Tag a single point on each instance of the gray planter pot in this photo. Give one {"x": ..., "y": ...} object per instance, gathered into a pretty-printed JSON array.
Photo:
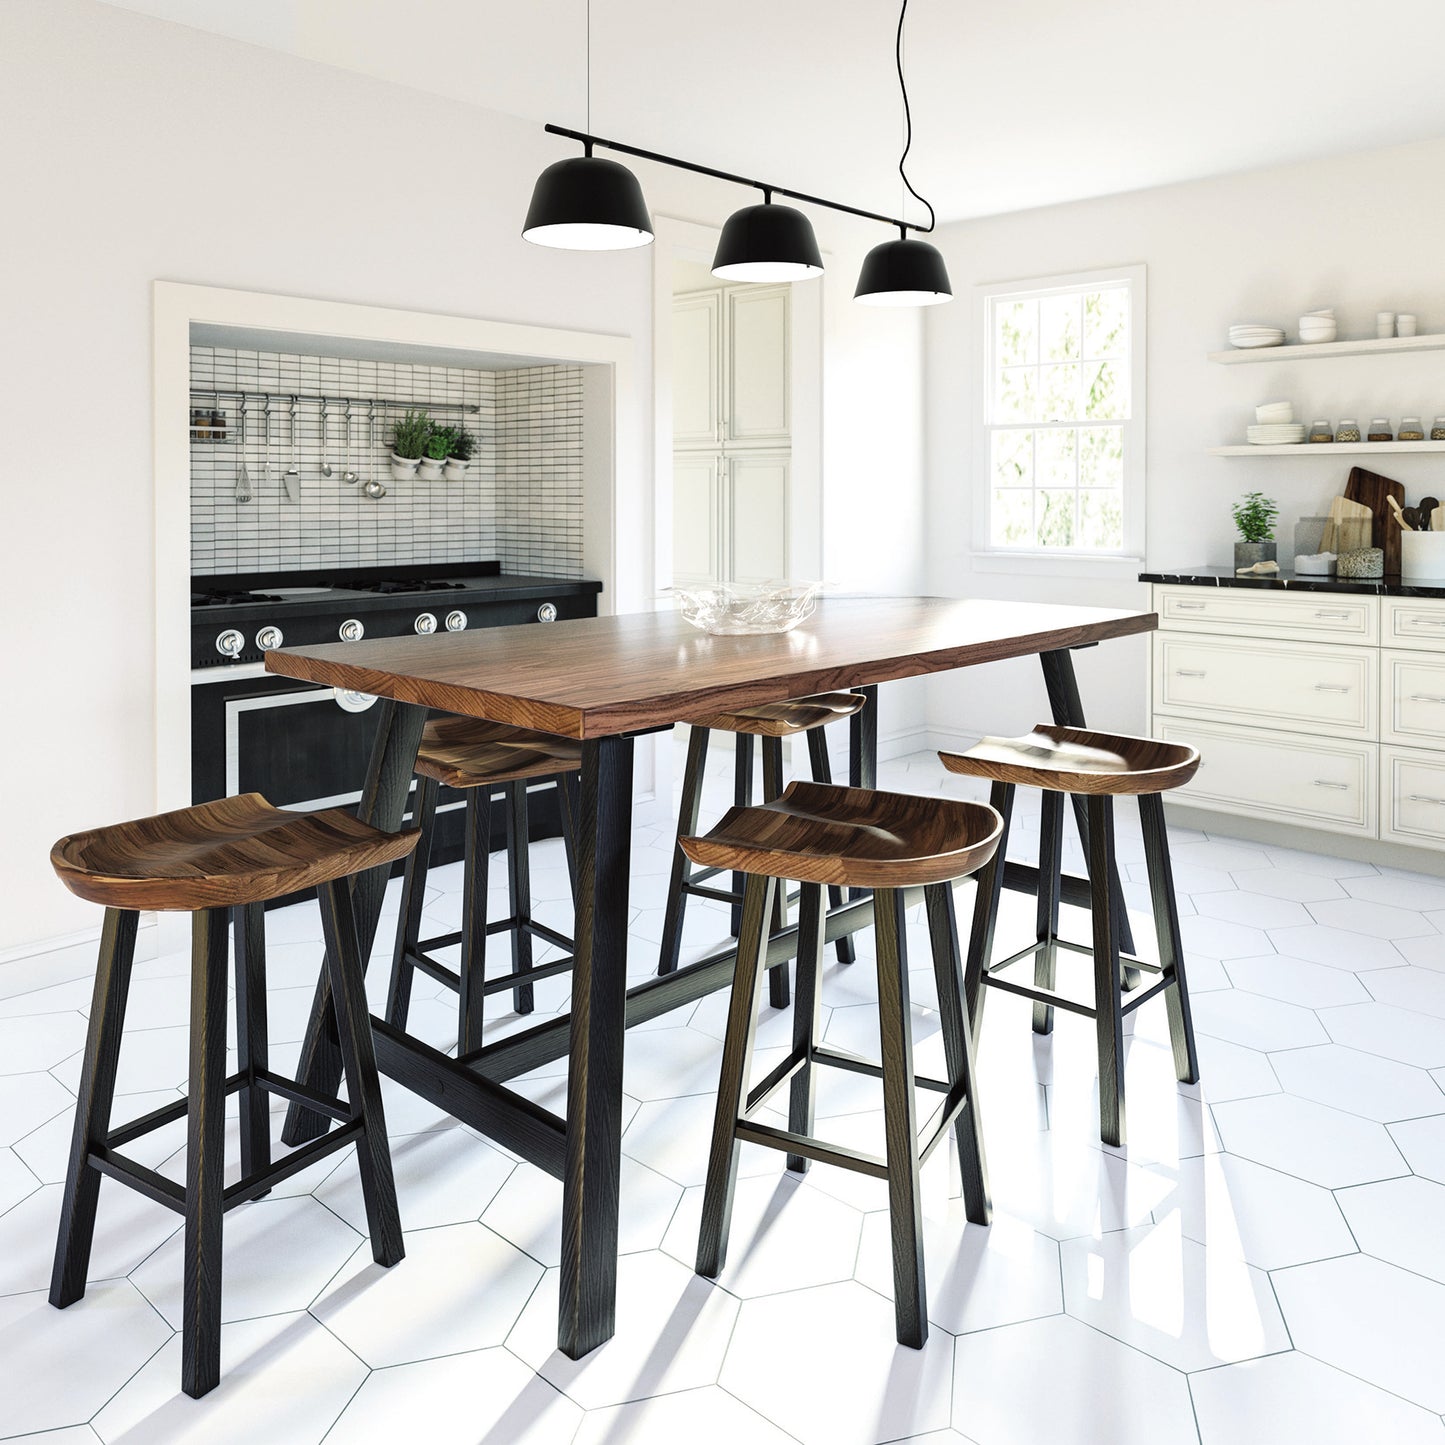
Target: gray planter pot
[{"x": 1246, "y": 554}]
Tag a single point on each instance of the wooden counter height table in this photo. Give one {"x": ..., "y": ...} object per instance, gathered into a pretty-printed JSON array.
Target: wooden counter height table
[{"x": 605, "y": 680}]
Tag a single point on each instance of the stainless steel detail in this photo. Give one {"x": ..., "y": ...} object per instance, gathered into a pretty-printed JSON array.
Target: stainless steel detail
[
  {"x": 292, "y": 475},
  {"x": 456, "y": 621},
  {"x": 1326, "y": 783},
  {"x": 1330, "y": 687},
  {"x": 1189, "y": 607},
  {"x": 269, "y": 637},
  {"x": 1426, "y": 697},
  {"x": 325, "y": 440},
  {"x": 348, "y": 474},
  {"x": 351, "y": 630},
  {"x": 230, "y": 643},
  {"x": 375, "y": 489},
  {"x": 547, "y": 612},
  {"x": 349, "y": 700},
  {"x": 425, "y": 624},
  {"x": 1185, "y": 672},
  {"x": 243, "y": 477}
]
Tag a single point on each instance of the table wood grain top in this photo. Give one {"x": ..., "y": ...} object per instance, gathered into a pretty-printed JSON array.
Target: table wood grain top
[{"x": 600, "y": 676}]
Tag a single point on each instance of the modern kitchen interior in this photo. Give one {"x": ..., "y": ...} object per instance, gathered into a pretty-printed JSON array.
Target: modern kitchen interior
[{"x": 762, "y": 742}]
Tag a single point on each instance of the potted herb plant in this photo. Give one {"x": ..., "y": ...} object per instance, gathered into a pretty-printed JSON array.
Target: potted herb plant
[
  {"x": 434, "y": 454},
  {"x": 1254, "y": 516},
  {"x": 463, "y": 444},
  {"x": 408, "y": 444}
]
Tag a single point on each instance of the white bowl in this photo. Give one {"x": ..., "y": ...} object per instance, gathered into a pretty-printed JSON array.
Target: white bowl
[{"x": 1274, "y": 411}]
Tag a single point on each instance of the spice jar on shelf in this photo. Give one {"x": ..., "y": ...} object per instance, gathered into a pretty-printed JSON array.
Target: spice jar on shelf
[
  {"x": 1380, "y": 430},
  {"x": 1412, "y": 429},
  {"x": 1437, "y": 431},
  {"x": 1320, "y": 432},
  {"x": 1348, "y": 430}
]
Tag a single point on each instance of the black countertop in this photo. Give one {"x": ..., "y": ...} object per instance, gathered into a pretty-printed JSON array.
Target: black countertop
[{"x": 1388, "y": 586}]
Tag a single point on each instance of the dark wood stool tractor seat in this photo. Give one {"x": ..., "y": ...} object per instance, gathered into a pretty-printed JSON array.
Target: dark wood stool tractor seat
[
  {"x": 216, "y": 861},
  {"x": 478, "y": 757},
  {"x": 819, "y": 835},
  {"x": 1100, "y": 767},
  {"x": 772, "y": 722}
]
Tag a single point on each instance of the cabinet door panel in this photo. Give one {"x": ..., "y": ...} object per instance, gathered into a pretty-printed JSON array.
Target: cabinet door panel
[
  {"x": 696, "y": 369},
  {"x": 696, "y": 540},
  {"x": 757, "y": 509},
  {"x": 1244, "y": 612},
  {"x": 757, "y": 369},
  {"x": 1414, "y": 785}
]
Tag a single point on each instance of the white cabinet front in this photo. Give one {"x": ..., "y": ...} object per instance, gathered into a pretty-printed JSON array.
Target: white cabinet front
[
  {"x": 697, "y": 370},
  {"x": 1414, "y": 622},
  {"x": 1413, "y": 693},
  {"x": 696, "y": 517},
  {"x": 756, "y": 345},
  {"x": 1414, "y": 797},
  {"x": 1309, "y": 617},
  {"x": 758, "y": 517}
]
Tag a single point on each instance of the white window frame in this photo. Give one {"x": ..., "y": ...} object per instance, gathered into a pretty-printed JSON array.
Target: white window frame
[{"x": 1064, "y": 561}]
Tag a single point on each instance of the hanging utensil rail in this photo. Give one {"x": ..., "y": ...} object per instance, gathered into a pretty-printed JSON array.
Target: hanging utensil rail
[{"x": 316, "y": 399}]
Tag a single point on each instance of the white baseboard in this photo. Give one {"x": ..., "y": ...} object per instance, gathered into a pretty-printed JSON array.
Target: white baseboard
[{"x": 65, "y": 957}]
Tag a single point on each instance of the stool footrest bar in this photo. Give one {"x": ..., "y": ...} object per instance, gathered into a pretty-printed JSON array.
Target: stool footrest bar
[
  {"x": 874, "y": 1071},
  {"x": 138, "y": 1177},
  {"x": 718, "y": 895},
  {"x": 1040, "y": 995},
  {"x": 945, "y": 1115},
  {"x": 777, "y": 1076},
  {"x": 532, "y": 975},
  {"x": 791, "y": 1143},
  {"x": 1134, "y": 1000},
  {"x": 295, "y": 1093},
  {"x": 299, "y": 1159}
]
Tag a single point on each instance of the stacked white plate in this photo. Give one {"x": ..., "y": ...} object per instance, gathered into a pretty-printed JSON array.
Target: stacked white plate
[
  {"x": 1247, "y": 336},
  {"x": 1275, "y": 434}
]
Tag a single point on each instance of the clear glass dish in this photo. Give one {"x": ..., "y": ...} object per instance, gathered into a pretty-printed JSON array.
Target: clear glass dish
[{"x": 736, "y": 609}]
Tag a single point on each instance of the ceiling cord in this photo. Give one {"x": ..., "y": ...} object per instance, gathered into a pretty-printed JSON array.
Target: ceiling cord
[{"x": 907, "y": 122}]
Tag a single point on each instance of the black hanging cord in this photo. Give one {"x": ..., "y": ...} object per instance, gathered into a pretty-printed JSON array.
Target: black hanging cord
[{"x": 908, "y": 124}]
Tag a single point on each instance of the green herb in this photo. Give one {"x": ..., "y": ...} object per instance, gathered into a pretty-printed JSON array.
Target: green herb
[
  {"x": 463, "y": 444},
  {"x": 1254, "y": 517},
  {"x": 439, "y": 443},
  {"x": 409, "y": 439}
]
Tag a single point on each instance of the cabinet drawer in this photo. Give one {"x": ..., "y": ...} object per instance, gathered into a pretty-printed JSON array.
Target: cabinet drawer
[
  {"x": 1414, "y": 802},
  {"x": 1285, "y": 776},
  {"x": 1414, "y": 622},
  {"x": 1295, "y": 685},
  {"x": 1306, "y": 616},
  {"x": 1412, "y": 699}
]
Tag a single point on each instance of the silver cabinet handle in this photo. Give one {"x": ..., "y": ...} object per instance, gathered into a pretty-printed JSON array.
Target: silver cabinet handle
[
  {"x": 1425, "y": 697},
  {"x": 1426, "y": 798},
  {"x": 1184, "y": 672},
  {"x": 1333, "y": 616},
  {"x": 1330, "y": 687},
  {"x": 1325, "y": 783},
  {"x": 1189, "y": 607},
  {"x": 1428, "y": 621}
]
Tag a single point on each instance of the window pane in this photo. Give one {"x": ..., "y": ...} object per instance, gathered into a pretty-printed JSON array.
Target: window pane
[
  {"x": 1061, "y": 392},
  {"x": 1107, "y": 390},
  {"x": 1056, "y": 518},
  {"x": 1101, "y": 456},
  {"x": 1016, "y": 330},
  {"x": 1106, "y": 323},
  {"x": 1018, "y": 393},
  {"x": 1057, "y": 458},
  {"x": 1059, "y": 328},
  {"x": 1013, "y": 458},
  {"x": 1013, "y": 518},
  {"x": 1101, "y": 518}
]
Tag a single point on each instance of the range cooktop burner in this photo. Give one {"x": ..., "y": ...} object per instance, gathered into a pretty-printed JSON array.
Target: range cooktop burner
[
  {"x": 230, "y": 599},
  {"x": 405, "y": 584}
]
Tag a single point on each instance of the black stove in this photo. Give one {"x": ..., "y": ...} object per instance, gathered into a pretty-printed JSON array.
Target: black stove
[{"x": 399, "y": 585}]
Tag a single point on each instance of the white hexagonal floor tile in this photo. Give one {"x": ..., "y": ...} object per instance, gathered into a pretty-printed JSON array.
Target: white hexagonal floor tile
[
  {"x": 1420, "y": 989},
  {"x": 1393, "y": 1033},
  {"x": 709, "y": 1416},
  {"x": 1372, "y": 1320},
  {"x": 28, "y": 1045},
  {"x": 1293, "y": 883},
  {"x": 1171, "y": 1297},
  {"x": 1295, "y": 980},
  {"x": 850, "y": 1381},
  {"x": 1291, "y": 1399},
  {"x": 1334, "y": 946},
  {"x": 672, "y": 1330},
  {"x": 1230, "y": 1071},
  {"x": 1246, "y": 1211},
  {"x": 1045, "y": 1381},
  {"x": 150, "y": 1059},
  {"x": 484, "y": 1395},
  {"x": 1424, "y": 952},
  {"x": 1321, "y": 864},
  {"x": 672, "y": 1137},
  {"x": 1359, "y": 1083},
  {"x": 1399, "y": 1221},
  {"x": 17, "y": 1180},
  {"x": 460, "y": 1287},
  {"x": 1231, "y": 857},
  {"x": 1309, "y": 1140},
  {"x": 1258, "y": 910},
  {"x": 29, "y": 1100},
  {"x": 1377, "y": 920},
  {"x": 71, "y": 996},
  {"x": 1400, "y": 890},
  {"x": 1422, "y": 1142},
  {"x": 47, "y": 1149},
  {"x": 1218, "y": 938},
  {"x": 277, "y": 1254},
  {"x": 1257, "y": 1022},
  {"x": 282, "y": 1378}
]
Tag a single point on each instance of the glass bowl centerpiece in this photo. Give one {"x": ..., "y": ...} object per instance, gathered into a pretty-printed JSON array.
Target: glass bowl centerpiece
[{"x": 739, "y": 608}]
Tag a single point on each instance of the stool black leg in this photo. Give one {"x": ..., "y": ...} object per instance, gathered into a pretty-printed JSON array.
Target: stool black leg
[
  {"x": 1108, "y": 999},
  {"x": 773, "y": 788},
  {"x": 742, "y": 797},
  {"x": 692, "y": 778},
  {"x": 823, "y": 773},
  {"x": 358, "y": 1056},
  {"x": 985, "y": 910},
  {"x": 1166, "y": 925},
  {"x": 958, "y": 1049},
  {"x": 519, "y": 891},
  {"x": 413, "y": 900},
  {"x": 472, "y": 971},
  {"x": 805, "y": 1014},
  {"x": 900, "y": 1123},
  {"x": 1051, "y": 863},
  {"x": 205, "y": 1155},
  {"x": 722, "y": 1159},
  {"x": 249, "y": 927},
  {"x": 92, "y": 1106},
  {"x": 567, "y": 811}
]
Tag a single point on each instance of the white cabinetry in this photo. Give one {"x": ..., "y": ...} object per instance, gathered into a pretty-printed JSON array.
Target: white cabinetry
[
  {"x": 731, "y": 436},
  {"x": 1324, "y": 712}
]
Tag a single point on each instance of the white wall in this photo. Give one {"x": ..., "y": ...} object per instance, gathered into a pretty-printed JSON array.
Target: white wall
[
  {"x": 1362, "y": 233},
  {"x": 138, "y": 150}
]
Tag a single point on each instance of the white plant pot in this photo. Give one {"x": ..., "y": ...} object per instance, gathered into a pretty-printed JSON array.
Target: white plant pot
[
  {"x": 1422, "y": 556},
  {"x": 430, "y": 470},
  {"x": 403, "y": 469},
  {"x": 456, "y": 469}
]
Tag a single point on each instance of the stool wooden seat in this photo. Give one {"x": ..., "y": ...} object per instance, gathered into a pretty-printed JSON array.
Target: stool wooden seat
[
  {"x": 1100, "y": 766},
  {"x": 818, "y": 834},
  {"x": 772, "y": 722},
  {"x": 220, "y": 861},
  {"x": 479, "y": 757}
]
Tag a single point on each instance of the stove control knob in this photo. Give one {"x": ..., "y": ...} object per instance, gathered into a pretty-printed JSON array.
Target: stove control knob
[
  {"x": 547, "y": 612},
  {"x": 425, "y": 623},
  {"x": 230, "y": 643},
  {"x": 351, "y": 630},
  {"x": 457, "y": 621},
  {"x": 349, "y": 700},
  {"x": 268, "y": 637}
]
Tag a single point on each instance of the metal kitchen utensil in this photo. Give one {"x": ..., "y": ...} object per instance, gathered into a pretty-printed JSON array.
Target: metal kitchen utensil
[
  {"x": 349, "y": 475},
  {"x": 243, "y": 477},
  {"x": 325, "y": 440},
  {"x": 292, "y": 474},
  {"x": 266, "y": 466},
  {"x": 374, "y": 489}
]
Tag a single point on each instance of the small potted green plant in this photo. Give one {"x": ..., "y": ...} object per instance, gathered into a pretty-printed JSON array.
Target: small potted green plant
[
  {"x": 1254, "y": 516},
  {"x": 434, "y": 454},
  {"x": 408, "y": 444},
  {"x": 464, "y": 444}
]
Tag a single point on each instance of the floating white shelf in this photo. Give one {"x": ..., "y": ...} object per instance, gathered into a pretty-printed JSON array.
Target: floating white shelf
[
  {"x": 1328, "y": 449},
  {"x": 1303, "y": 351}
]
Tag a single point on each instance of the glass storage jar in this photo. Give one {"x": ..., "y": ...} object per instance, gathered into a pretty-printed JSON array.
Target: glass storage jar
[
  {"x": 1437, "y": 430},
  {"x": 1320, "y": 431},
  {"x": 1348, "y": 430},
  {"x": 1412, "y": 429},
  {"x": 1380, "y": 430}
]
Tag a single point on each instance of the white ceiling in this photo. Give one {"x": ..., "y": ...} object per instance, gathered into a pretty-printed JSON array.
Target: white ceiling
[{"x": 1015, "y": 105}]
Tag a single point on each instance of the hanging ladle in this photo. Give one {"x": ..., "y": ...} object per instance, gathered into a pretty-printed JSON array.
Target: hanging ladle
[
  {"x": 374, "y": 489},
  {"x": 348, "y": 475},
  {"x": 325, "y": 441}
]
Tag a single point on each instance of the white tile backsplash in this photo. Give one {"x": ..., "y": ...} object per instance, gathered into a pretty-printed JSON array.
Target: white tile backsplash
[{"x": 521, "y": 502}]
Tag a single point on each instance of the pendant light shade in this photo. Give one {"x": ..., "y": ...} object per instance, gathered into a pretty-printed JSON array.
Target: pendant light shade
[
  {"x": 588, "y": 204},
  {"x": 767, "y": 243},
  {"x": 903, "y": 273}
]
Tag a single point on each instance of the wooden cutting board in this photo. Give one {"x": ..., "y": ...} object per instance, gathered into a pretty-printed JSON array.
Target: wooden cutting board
[
  {"x": 1372, "y": 490},
  {"x": 1350, "y": 527}
]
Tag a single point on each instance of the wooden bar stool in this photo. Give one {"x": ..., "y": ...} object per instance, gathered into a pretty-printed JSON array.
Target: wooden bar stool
[
  {"x": 772, "y": 722},
  {"x": 212, "y": 860},
  {"x": 1099, "y": 767},
  {"x": 478, "y": 757},
  {"x": 820, "y": 835}
]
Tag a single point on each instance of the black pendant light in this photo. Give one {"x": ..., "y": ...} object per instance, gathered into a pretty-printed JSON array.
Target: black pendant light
[
  {"x": 767, "y": 243},
  {"x": 904, "y": 272}
]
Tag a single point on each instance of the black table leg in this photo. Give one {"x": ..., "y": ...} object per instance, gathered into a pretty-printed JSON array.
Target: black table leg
[
  {"x": 383, "y": 805},
  {"x": 587, "y": 1307},
  {"x": 863, "y": 743}
]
